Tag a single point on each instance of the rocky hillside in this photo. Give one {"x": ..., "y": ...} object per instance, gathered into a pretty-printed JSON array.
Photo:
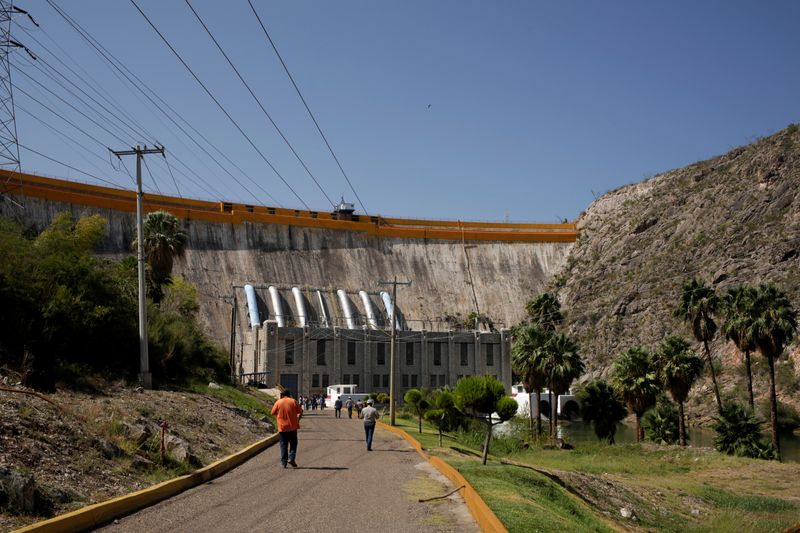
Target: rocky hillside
[{"x": 729, "y": 220}]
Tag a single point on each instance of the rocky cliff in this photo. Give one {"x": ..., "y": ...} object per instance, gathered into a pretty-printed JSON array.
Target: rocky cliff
[{"x": 729, "y": 220}]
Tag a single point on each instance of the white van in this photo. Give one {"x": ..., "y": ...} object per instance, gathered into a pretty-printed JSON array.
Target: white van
[{"x": 344, "y": 392}]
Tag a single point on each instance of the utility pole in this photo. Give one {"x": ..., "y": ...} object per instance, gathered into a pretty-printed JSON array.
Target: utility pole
[
  {"x": 393, "y": 325},
  {"x": 145, "y": 377}
]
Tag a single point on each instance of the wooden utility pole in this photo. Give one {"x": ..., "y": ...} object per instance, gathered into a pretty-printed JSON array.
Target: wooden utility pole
[
  {"x": 393, "y": 325},
  {"x": 145, "y": 377}
]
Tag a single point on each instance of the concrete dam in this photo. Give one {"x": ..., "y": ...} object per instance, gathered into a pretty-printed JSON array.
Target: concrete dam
[{"x": 456, "y": 267}]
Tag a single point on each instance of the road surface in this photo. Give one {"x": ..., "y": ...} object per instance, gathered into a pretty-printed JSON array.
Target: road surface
[{"x": 338, "y": 487}]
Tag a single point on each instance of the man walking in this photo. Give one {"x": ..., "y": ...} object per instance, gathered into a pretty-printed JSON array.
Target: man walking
[
  {"x": 337, "y": 407},
  {"x": 288, "y": 414},
  {"x": 370, "y": 416},
  {"x": 349, "y": 405}
]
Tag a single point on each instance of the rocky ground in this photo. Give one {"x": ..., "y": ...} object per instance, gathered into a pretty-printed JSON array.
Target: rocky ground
[
  {"x": 730, "y": 220},
  {"x": 65, "y": 450}
]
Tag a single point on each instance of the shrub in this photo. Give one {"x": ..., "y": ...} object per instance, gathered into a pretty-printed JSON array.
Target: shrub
[
  {"x": 661, "y": 422},
  {"x": 788, "y": 417},
  {"x": 739, "y": 433}
]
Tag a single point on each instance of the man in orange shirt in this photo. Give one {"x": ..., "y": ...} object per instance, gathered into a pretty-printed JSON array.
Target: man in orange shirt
[{"x": 288, "y": 413}]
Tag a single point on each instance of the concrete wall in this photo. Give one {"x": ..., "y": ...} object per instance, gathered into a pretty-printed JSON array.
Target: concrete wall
[{"x": 505, "y": 275}]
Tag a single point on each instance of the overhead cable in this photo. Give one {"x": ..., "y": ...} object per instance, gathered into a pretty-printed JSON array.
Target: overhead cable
[
  {"x": 296, "y": 88},
  {"x": 219, "y": 105}
]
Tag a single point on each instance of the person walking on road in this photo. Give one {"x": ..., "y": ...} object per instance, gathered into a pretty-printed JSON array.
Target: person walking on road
[
  {"x": 288, "y": 414},
  {"x": 337, "y": 408},
  {"x": 370, "y": 416},
  {"x": 349, "y": 405}
]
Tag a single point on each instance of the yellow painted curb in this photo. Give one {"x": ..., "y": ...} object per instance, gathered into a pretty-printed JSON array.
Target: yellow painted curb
[
  {"x": 484, "y": 516},
  {"x": 103, "y": 512}
]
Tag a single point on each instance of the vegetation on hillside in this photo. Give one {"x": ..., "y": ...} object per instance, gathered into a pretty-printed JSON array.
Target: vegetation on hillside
[{"x": 65, "y": 313}]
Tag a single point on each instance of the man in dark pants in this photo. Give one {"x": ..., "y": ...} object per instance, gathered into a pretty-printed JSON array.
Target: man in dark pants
[
  {"x": 337, "y": 407},
  {"x": 370, "y": 416},
  {"x": 288, "y": 414}
]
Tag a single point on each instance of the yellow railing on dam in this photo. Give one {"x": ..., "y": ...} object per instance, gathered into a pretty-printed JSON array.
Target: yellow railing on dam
[{"x": 235, "y": 213}]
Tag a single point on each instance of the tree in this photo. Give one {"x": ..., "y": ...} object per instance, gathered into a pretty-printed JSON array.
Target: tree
[
  {"x": 545, "y": 309},
  {"x": 164, "y": 240},
  {"x": 602, "y": 406},
  {"x": 635, "y": 378},
  {"x": 698, "y": 304},
  {"x": 527, "y": 360},
  {"x": 418, "y": 401},
  {"x": 739, "y": 433},
  {"x": 678, "y": 369},
  {"x": 662, "y": 422},
  {"x": 774, "y": 325},
  {"x": 480, "y": 397},
  {"x": 443, "y": 412},
  {"x": 737, "y": 305},
  {"x": 563, "y": 365}
]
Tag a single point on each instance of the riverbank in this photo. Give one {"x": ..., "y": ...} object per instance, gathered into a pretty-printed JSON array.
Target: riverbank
[
  {"x": 62, "y": 451},
  {"x": 632, "y": 486}
]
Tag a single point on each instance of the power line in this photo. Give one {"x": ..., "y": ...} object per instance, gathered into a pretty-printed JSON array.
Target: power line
[
  {"x": 116, "y": 186},
  {"x": 219, "y": 105},
  {"x": 152, "y": 178},
  {"x": 296, "y": 88},
  {"x": 260, "y": 105},
  {"x": 121, "y": 69}
]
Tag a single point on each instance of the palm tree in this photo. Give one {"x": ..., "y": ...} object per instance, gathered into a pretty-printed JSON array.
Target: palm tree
[
  {"x": 602, "y": 406},
  {"x": 678, "y": 369},
  {"x": 527, "y": 358},
  {"x": 698, "y": 303},
  {"x": 564, "y": 365},
  {"x": 164, "y": 240},
  {"x": 738, "y": 327},
  {"x": 774, "y": 325},
  {"x": 546, "y": 310},
  {"x": 636, "y": 379}
]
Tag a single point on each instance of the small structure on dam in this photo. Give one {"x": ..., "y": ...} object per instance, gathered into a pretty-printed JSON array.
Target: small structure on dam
[{"x": 309, "y": 338}]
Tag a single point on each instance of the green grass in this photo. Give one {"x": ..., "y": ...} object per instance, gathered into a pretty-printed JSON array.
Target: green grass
[
  {"x": 726, "y": 488},
  {"x": 241, "y": 398}
]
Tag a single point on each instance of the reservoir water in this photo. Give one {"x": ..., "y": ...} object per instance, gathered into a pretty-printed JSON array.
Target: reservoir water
[{"x": 578, "y": 431}]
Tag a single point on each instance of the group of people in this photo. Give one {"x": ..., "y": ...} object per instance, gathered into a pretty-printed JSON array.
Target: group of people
[
  {"x": 310, "y": 403},
  {"x": 289, "y": 411}
]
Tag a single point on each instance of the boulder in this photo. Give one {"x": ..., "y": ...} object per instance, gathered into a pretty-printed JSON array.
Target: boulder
[
  {"x": 108, "y": 448},
  {"x": 138, "y": 433},
  {"x": 177, "y": 448},
  {"x": 213, "y": 385}
]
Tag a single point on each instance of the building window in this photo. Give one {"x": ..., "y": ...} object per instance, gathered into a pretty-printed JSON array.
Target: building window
[
  {"x": 321, "y": 352},
  {"x": 356, "y": 379},
  {"x": 376, "y": 381},
  {"x": 409, "y": 354},
  {"x": 433, "y": 380},
  {"x": 325, "y": 380},
  {"x": 490, "y": 355},
  {"x": 437, "y": 354},
  {"x": 381, "y": 353},
  {"x": 315, "y": 380},
  {"x": 346, "y": 379},
  {"x": 405, "y": 381},
  {"x": 385, "y": 380},
  {"x": 413, "y": 380},
  {"x": 351, "y": 353},
  {"x": 464, "y": 352},
  {"x": 288, "y": 348},
  {"x": 441, "y": 380}
]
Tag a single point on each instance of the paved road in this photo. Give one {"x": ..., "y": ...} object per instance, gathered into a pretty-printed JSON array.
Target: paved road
[{"x": 338, "y": 487}]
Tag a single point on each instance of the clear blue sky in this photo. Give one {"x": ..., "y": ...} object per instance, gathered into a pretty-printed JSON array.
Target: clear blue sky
[{"x": 469, "y": 110}]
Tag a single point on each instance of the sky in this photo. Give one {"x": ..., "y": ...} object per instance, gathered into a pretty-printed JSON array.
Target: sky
[{"x": 515, "y": 110}]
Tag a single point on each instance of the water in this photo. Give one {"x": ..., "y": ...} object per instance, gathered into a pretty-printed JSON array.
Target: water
[{"x": 578, "y": 431}]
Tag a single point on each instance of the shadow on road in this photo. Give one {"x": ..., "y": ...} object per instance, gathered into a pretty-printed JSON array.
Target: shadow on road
[{"x": 320, "y": 468}]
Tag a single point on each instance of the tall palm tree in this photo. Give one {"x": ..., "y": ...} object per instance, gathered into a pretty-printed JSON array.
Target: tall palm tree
[
  {"x": 564, "y": 365},
  {"x": 737, "y": 305},
  {"x": 636, "y": 379},
  {"x": 164, "y": 240},
  {"x": 678, "y": 369},
  {"x": 527, "y": 360},
  {"x": 546, "y": 310},
  {"x": 698, "y": 304},
  {"x": 774, "y": 325}
]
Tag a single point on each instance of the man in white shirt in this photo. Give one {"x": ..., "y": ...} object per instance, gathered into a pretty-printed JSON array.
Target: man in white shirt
[{"x": 370, "y": 416}]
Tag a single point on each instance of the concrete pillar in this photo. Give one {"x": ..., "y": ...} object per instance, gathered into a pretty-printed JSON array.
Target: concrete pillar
[
  {"x": 425, "y": 368},
  {"x": 451, "y": 360},
  {"x": 366, "y": 355}
]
